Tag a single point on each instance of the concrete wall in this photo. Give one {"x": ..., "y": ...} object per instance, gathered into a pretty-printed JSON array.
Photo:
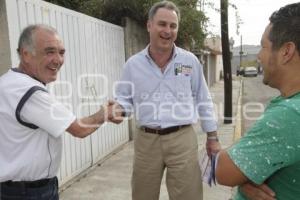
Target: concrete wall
[
  {"x": 212, "y": 70},
  {"x": 219, "y": 67},
  {"x": 205, "y": 62},
  {"x": 5, "y": 62},
  {"x": 212, "y": 66},
  {"x": 135, "y": 37},
  {"x": 215, "y": 65}
]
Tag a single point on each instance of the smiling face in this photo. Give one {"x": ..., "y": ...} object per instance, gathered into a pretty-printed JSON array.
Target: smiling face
[
  {"x": 163, "y": 28},
  {"x": 44, "y": 62}
]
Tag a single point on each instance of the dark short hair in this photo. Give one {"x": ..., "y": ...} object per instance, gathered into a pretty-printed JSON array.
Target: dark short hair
[
  {"x": 285, "y": 26},
  {"x": 26, "y": 39},
  {"x": 163, "y": 4}
]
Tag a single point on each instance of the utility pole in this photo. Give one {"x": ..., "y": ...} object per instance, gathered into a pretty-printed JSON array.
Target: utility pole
[
  {"x": 241, "y": 53},
  {"x": 226, "y": 63}
]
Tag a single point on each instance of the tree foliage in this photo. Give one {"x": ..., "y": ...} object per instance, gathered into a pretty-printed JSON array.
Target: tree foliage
[
  {"x": 85, "y": 6},
  {"x": 192, "y": 28}
]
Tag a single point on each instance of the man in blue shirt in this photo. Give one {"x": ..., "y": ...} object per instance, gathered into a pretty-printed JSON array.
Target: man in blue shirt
[{"x": 165, "y": 88}]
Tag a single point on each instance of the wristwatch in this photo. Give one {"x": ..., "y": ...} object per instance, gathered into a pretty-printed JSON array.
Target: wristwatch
[{"x": 213, "y": 138}]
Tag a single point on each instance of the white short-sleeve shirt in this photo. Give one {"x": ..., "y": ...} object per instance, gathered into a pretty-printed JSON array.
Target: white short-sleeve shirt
[{"x": 32, "y": 151}]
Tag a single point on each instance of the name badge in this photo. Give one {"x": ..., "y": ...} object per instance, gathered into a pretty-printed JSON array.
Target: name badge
[{"x": 185, "y": 70}]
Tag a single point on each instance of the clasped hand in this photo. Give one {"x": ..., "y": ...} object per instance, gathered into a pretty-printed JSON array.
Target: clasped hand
[{"x": 113, "y": 112}]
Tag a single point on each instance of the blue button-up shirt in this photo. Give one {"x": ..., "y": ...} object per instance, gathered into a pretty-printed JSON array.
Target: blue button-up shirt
[{"x": 177, "y": 96}]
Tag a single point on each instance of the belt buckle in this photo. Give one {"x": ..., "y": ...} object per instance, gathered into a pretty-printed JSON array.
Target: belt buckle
[
  {"x": 150, "y": 130},
  {"x": 157, "y": 131},
  {"x": 143, "y": 128}
]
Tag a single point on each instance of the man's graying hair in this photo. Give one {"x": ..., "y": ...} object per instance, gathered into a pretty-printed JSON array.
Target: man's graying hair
[
  {"x": 163, "y": 4},
  {"x": 26, "y": 39},
  {"x": 285, "y": 26}
]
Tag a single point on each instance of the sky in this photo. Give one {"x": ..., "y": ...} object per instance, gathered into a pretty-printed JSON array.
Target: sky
[{"x": 254, "y": 15}]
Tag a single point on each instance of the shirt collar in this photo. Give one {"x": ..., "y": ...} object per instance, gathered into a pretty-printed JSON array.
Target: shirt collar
[
  {"x": 145, "y": 52},
  {"x": 17, "y": 70}
]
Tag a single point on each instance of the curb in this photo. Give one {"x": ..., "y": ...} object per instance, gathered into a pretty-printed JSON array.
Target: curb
[
  {"x": 238, "y": 119},
  {"x": 238, "y": 126}
]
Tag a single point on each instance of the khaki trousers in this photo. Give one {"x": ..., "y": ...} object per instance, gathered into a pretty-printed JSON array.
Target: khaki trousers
[{"x": 178, "y": 153}]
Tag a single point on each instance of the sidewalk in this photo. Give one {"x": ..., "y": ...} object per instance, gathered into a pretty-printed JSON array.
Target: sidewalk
[{"x": 110, "y": 180}]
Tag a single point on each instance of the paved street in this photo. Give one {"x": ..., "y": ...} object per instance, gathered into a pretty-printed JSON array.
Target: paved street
[
  {"x": 256, "y": 95},
  {"x": 110, "y": 180}
]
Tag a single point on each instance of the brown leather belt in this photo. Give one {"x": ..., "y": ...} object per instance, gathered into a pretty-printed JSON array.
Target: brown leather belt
[{"x": 164, "y": 131}]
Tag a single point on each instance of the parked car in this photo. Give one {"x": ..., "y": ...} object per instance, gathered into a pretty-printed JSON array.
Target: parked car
[
  {"x": 250, "y": 71},
  {"x": 240, "y": 72}
]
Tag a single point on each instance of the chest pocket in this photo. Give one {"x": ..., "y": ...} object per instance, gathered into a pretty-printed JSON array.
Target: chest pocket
[
  {"x": 183, "y": 84},
  {"x": 182, "y": 88}
]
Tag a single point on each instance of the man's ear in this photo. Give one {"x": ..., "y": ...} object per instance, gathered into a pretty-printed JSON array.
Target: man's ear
[
  {"x": 287, "y": 51},
  {"x": 25, "y": 54}
]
